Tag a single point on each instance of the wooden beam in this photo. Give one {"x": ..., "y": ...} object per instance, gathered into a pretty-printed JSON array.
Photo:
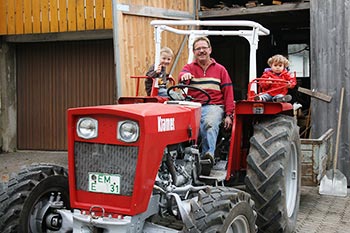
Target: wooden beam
[
  {"x": 153, "y": 12},
  {"x": 254, "y": 10},
  {"x": 315, "y": 94}
]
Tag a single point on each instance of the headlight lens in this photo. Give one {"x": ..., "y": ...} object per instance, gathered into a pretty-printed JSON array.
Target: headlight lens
[
  {"x": 128, "y": 131},
  {"x": 87, "y": 128}
]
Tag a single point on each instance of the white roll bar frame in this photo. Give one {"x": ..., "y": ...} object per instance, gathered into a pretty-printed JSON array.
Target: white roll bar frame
[{"x": 252, "y": 36}]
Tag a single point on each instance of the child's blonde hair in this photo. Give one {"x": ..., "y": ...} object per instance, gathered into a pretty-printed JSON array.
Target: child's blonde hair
[
  {"x": 278, "y": 59},
  {"x": 167, "y": 50}
]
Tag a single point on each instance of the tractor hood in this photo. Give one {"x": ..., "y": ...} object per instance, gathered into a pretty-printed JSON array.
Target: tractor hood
[{"x": 130, "y": 163}]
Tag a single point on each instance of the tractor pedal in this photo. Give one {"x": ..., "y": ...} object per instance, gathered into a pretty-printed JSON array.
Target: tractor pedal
[{"x": 220, "y": 165}]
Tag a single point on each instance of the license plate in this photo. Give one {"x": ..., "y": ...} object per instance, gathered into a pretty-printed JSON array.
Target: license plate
[{"x": 104, "y": 183}]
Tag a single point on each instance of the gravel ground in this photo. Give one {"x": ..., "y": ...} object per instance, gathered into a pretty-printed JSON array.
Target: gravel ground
[
  {"x": 317, "y": 214},
  {"x": 12, "y": 162}
]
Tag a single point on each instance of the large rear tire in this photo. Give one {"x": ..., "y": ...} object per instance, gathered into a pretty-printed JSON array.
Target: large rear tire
[
  {"x": 224, "y": 210},
  {"x": 25, "y": 199},
  {"x": 273, "y": 173}
]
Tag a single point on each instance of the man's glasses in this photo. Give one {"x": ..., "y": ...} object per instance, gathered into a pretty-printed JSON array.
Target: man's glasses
[{"x": 200, "y": 48}]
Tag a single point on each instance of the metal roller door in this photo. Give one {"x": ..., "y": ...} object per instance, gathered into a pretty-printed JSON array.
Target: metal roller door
[{"x": 55, "y": 76}]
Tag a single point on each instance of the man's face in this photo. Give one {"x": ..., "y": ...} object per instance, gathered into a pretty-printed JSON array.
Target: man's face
[
  {"x": 201, "y": 51},
  {"x": 277, "y": 68}
]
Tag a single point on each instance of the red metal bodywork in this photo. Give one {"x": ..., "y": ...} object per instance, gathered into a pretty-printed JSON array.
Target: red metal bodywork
[
  {"x": 151, "y": 144},
  {"x": 244, "y": 116}
]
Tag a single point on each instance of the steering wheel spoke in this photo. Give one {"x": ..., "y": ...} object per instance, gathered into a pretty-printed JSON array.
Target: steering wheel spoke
[{"x": 182, "y": 87}]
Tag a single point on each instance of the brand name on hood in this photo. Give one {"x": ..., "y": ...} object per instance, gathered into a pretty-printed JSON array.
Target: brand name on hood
[{"x": 166, "y": 124}]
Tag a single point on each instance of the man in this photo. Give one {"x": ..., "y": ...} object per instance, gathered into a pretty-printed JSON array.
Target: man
[{"x": 204, "y": 72}]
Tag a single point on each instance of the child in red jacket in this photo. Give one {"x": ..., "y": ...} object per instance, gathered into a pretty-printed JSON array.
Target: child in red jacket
[{"x": 276, "y": 90}]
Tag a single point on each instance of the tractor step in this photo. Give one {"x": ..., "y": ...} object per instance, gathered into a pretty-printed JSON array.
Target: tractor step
[{"x": 217, "y": 174}]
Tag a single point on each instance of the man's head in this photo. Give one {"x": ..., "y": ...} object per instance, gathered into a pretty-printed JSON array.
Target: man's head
[
  {"x": 202, "y": 49},
  {"x": 166, "y": 56},
  {"x": 278, "y": 63}
]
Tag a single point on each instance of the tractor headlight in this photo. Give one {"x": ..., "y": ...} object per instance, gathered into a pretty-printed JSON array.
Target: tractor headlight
[
  {"x": 128, "y": 131},
  {"x": 87, "y": 128}
]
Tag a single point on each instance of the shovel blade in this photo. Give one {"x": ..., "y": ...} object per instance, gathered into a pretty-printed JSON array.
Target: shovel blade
[{"x": 334, "y": 183}]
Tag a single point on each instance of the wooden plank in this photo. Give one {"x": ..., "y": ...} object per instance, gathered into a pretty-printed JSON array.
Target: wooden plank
[
  {"x": 72, "y": 15},
  {"x": 99, "y": 15},
  {"x": 315, "y": 94},
  {"x": 3, "y": 16},
  {"x": 36, "y": 16},
  {"x": 11, "y": 29},
  {"x": 89, "y": 18},
  {"x": 255, "y": 10},
  {"x": 150, "y": 11},
  {"x": 108, "y": 14},
  {"x": 19, "y": 17},
  {"x": 63, "y": 21},
  {"x": 45, "y": 23},
  {"x": 53, "y": 11},
  {"x": 80, "y": 15},
  {"x": 28, "y": 26}
]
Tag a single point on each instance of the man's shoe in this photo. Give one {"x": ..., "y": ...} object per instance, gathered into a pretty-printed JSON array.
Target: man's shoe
[
  {"x": 285, "y": 98},
  {"x": 209, "y": 156},
  {"x": 207, "y": 163},
  {"x": 256, "y": 98}
]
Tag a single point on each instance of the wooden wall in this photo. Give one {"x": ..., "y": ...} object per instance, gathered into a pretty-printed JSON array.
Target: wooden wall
[
  {"x": 136, "y": 38},
  {"x": 135, "y": 34},
  {"x": 45, "y": 16},
  {"x": 330, "y": 71}
]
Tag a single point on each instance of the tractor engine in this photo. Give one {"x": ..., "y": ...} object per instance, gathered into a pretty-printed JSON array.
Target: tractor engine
[{"x": 179, "y": 167}]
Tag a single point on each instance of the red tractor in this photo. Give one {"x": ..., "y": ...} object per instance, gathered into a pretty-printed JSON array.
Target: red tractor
[{"x": 136, "y": 167}]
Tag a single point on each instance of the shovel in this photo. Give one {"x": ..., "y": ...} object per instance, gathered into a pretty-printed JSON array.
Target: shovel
[{"x": 334, "y": 183}]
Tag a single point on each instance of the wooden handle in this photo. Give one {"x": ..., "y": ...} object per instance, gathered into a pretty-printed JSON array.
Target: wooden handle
[{"x": 338, "y": 129}]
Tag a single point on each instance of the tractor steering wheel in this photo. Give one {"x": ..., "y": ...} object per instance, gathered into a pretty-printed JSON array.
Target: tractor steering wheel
[{"x": 187, "y": 97}]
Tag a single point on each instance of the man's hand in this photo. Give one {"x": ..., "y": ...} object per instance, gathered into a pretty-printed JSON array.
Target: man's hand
[
  {"x": 228, "y": 122},
  {"x": 186, "y": 76}
]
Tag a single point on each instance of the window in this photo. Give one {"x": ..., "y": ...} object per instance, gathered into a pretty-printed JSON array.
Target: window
[{"x": 298, "y": 56}]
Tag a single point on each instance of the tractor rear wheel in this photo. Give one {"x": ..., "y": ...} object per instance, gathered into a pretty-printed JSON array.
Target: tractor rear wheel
[
  {"x": 25, "y": 200},
  {"x": 222, "y": 209},
  {"x": 273, "y": 173}
]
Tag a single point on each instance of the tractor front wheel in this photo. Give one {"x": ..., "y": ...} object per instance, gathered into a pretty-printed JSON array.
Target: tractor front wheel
[
  {"x": 273, "y": 173},
  {"x": 26, "y": 200},
  {"x": 222, "y": 209}
]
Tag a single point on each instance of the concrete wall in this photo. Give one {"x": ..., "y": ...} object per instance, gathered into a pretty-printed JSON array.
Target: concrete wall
[{"x": 8, "y": 106}]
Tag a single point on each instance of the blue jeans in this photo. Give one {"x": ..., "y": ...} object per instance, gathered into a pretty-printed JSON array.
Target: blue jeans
[
  {"x": 268, "y": 98},
  {"x": 162, "y": 92},
  {"x": 209, "y": 128}
]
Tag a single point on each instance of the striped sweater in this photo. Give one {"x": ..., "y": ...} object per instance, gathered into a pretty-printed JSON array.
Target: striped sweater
[{"x": 215, "y": 80}]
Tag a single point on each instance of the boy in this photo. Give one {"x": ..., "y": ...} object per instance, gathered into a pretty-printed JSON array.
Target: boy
[
  {"x": 166, "y": 56},
  {"x": 274, "y": 90}
]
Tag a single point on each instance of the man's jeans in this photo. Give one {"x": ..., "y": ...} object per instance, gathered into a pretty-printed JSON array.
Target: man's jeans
[{"x": 209, "y": 129}]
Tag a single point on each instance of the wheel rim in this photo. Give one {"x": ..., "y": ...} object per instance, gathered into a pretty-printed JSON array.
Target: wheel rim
[
  {"x": 40, "y": 210},
  {"x": 239, "y": 224},
  {"x": 292, "y": 181}
]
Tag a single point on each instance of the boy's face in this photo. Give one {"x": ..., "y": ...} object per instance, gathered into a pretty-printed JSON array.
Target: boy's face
[
  {"x": 277, "y": 68},
  {"x": 165, "y": 59}
]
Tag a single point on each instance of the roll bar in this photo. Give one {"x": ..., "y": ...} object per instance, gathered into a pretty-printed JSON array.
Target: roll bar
[{"x": 250, "y": 31}]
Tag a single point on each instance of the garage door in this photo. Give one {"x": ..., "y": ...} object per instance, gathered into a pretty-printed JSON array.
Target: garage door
[{"x": 55, "y": 76}]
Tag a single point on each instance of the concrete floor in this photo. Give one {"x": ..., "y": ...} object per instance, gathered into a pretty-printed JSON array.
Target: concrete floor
[
  {"x": 317, "y": 214},
  {"x": 323, "y": 214}
]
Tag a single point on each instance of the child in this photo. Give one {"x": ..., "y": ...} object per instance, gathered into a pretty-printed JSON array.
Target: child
[
  {"x": 166, "y": 56},
  {"x": 273, "y": 90}
]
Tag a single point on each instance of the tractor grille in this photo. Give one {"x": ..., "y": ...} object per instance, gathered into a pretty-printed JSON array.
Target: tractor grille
[{"x": 111, "y": 159}]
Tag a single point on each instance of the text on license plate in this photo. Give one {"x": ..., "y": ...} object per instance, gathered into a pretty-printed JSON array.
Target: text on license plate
[{"x": 104, "y": 183}]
